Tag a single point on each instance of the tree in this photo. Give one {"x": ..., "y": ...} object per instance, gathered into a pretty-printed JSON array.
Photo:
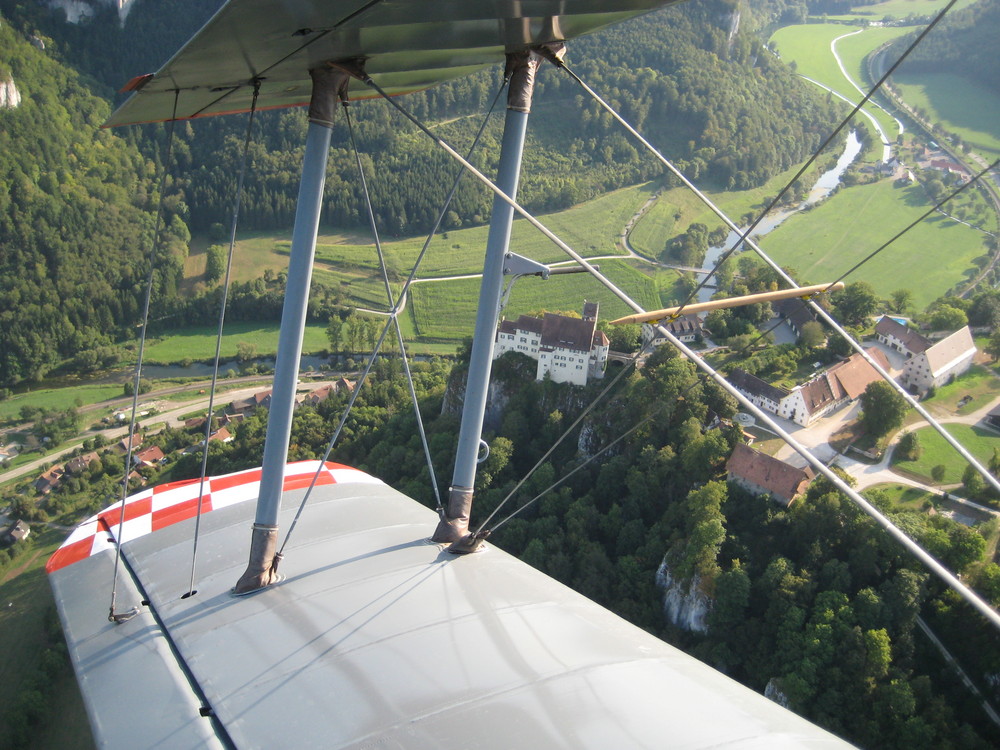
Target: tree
[
  {"x": 813, "y": 334},
  {"x": 856, "y": 302},
  {"x": 900, "y": 300},
  {"x": 246, "y": 351},
  {"x": 973, "y": 481},
  {"x": 884, "y": 409},
  {"x": 909, "y": 447},
  {"x": 948, "y": 318},
  {"x": 215, "y": 263},
  {"x": 334, "y": 331},
  {"x": 993, "y": 346},
  {"x": 938, "y": 472}
]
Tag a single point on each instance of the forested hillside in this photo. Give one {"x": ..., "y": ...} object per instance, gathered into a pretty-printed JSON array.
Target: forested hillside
[
  {"x": 964, "y": 44},
  {"x": 74, "y": 218}
]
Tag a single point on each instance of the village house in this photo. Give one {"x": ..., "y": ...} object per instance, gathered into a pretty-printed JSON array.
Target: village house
[
  {"x": 761, "y": 474},
  {"x": 938, "y": 364},
  {"x": 244, "y": 406},
  {"x": 569, "y": 350},
  {"x": 686, "y": 328},
  {"x": 82, "y": 463},
  {"x": 122, "y": 446},
  {"x": 151, "y": 456},
  {"x": 16, "y": 532},
  {"x": 900, "y": 337},
  {"x": 221, "y": 434},
  {"x": 49, "y": 480}
]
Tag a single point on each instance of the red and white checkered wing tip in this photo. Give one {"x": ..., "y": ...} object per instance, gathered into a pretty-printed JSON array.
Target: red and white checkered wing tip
[{"x": 166, "y": 504}]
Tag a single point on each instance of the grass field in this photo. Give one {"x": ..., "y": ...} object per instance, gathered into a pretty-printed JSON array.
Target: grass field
[
  {"x": 899, "y": 9},
  {"x": 808, "y": 46},
  {"x": 980, "y": 383},
  {"x": 825, "y": 242},
  {"x": 904, "y": 497},
  {"x": 199, "y": 343},
  {"x": 446, "y": 310},
  {"x": 961, "y": 106},
  {"x": 934, "y": 451},
  {"x": 27, "y": 607},
  {"x": 57, "y": 398}
]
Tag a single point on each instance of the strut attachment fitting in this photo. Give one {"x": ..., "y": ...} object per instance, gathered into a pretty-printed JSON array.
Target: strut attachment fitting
[{"x": 262, "y": 569}]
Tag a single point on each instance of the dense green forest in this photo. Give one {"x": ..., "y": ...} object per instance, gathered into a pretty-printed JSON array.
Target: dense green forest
[
  {"x": 964, "y": 44},
  {"x": 78, "y": 203},
  {"x": 814, "y": 604}
]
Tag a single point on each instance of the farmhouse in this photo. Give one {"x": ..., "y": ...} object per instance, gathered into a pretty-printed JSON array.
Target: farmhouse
[
  {"x": 900, "y": 337},
  {"x": 828, "y": 391},
  {"x": 760, "y": 474},
  {"x": 49, "y": 480},
  {"x": 686, "y": 328},
  {"x": 569, "y": 350},
  {"x": 763, "y": 395},
  {"x": 251, "y": 403},
  {"x": 795, "y": 313},
  {"x": 937, "y": 365}
]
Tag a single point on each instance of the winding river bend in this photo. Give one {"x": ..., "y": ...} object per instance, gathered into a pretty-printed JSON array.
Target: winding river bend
[{"x": 822, "y": 188}]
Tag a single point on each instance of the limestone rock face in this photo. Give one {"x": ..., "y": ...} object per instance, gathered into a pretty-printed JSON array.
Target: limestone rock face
[
  {"x": 686, "y": 606},
  {"x": 80, "y": 10},
  {"x": 10, "y": 97}
]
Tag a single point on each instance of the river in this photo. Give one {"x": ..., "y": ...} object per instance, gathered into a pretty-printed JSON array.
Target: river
[{"x": 822, "y": 188}]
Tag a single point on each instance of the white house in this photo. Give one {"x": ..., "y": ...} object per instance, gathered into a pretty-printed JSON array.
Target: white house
[
  {"x": 935, "y": 366},
  {"x": 569, "y": 350},
  {"x": 900, "y": 337},
  {"x": 686, "y": 328},
  {"x": 827, "y": 392}
]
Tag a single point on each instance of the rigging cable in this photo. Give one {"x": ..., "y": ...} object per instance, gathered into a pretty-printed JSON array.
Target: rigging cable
[
  {"x": 802, "y": 170},
  {"x": 818, "y": 309},
  {"x": 218, "y": 337},
  {"x": 590, "y": 407},
  {"x": 916, "y": 221},
  {"x": 400, "y": 300},
  {"x": 394, "y": 313},
  {"x": 928, "y": 560},
  {"x": 666, "y": 407},
  {"x": 113, "y": 616}
]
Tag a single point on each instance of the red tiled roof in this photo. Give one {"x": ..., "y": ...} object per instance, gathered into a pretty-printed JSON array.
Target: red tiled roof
[{"x": 768, "y": 473}]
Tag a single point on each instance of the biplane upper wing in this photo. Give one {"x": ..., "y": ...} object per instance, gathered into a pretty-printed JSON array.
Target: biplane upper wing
[{"x": 407, "y": 45}]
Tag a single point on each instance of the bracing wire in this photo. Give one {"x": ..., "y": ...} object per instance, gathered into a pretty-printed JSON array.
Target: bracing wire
[
  {"x": 112, "y": 615},
  {"x": 234, "y": 224},
  {"x": 400, "y": 300},
  {"x": 916, "y": 221},
  {"x": 809, "y": 162},
  {"x": 928, "y": 560},
  {"x": 394, "y": 312},
  {"x": 666, "y": 407},
  {"x": 590, "y": 407},
  {"x": 827, "y": 318}
]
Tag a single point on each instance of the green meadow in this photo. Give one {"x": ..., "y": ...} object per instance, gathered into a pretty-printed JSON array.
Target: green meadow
[
  {"x": 935, "y": 451},
  {"x": 808, "y": 46},
  {"x": 825, "y": 242},
  {"x": 198, "y": 343},
  {"x": 898, "y": 9},
  {"x": 447, "y": 309},
  {"x": 961, "y": 106},
  {"x": 57, "y": 398}
]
